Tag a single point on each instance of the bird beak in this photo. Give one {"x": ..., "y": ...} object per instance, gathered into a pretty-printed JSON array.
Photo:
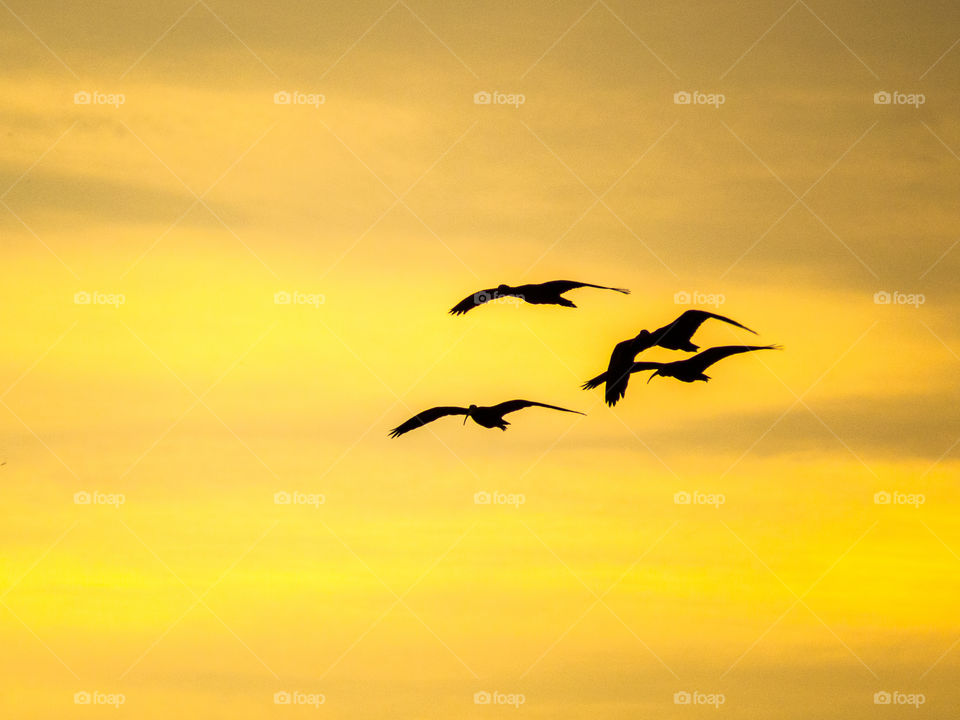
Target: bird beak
[
  {"x": 465, "y": 418},
  {"x": 655, "y": 373}
]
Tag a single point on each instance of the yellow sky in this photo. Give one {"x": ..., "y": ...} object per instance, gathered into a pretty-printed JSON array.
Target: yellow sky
[{"x": 182, "y": 198}]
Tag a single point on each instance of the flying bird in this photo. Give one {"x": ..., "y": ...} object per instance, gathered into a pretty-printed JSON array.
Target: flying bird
[
  {"x": 548, "y": 293},
  {"x": 689, "y": 370},
  {"x": 488, "y": 417},
  {"x": 675, "y": 336}
]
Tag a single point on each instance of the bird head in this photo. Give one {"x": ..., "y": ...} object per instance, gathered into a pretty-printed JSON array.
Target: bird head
[
  {"x": 502, "y": 289},
  {"x": 470, "y": 411},
  {"x": 644, "y": 338}
]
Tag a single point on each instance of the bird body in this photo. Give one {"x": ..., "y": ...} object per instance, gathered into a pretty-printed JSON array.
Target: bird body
[
  {"x": 485, "y": 416},
  {"x": 675, "y": 336},
  {"x": 548, "y": 293},
  {"x": 688, "y": 370}
]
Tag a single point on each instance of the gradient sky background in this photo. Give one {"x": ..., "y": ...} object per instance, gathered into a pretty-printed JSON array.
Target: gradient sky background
[{"x": 199, "y": 198}]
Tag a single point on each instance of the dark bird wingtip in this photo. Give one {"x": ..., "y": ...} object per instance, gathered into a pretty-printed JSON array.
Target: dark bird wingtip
[{"x": 614, "y": 398}]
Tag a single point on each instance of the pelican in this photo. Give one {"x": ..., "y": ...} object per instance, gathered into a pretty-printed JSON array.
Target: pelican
[
  {"x": 675, "y": 336},
  {"x": 548, "y": 293},
  {"x": 689, "y": 370},
  {"x": 488, "y": 417}
]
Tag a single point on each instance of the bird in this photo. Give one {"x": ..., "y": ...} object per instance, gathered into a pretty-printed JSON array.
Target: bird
[
  {"x": 488, "y": 417},
  {"x": 548, "y": 293},
  {"x": 675, "y": 336},
  {"x": 689, "y": 370}
]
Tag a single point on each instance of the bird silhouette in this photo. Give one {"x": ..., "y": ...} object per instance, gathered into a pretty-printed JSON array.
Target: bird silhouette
[
  {"x": 675, "y": 336},
  {"x": 548, "y": 293},
  {"x": 488, "y": 417},
  {"x": 689, "y": 370}
]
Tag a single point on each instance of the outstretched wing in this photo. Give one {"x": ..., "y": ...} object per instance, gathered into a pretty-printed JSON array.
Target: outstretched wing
[
  {"x": 513, "y": 405},
  {"x": 425, "y": 417},
  {"x": 561, "y": 286},
  {"x": 707, "y": 358},
  {"x": 595, "y": 382},
  {"x": 683, "y": 328},
  {"x": 637, "y": 367},
  {"x": 641, "y": 366},
  {"x": 472, "y": 301},
  {"x": 632, "y": 367},
  {"x": 618, "y": 371}
]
